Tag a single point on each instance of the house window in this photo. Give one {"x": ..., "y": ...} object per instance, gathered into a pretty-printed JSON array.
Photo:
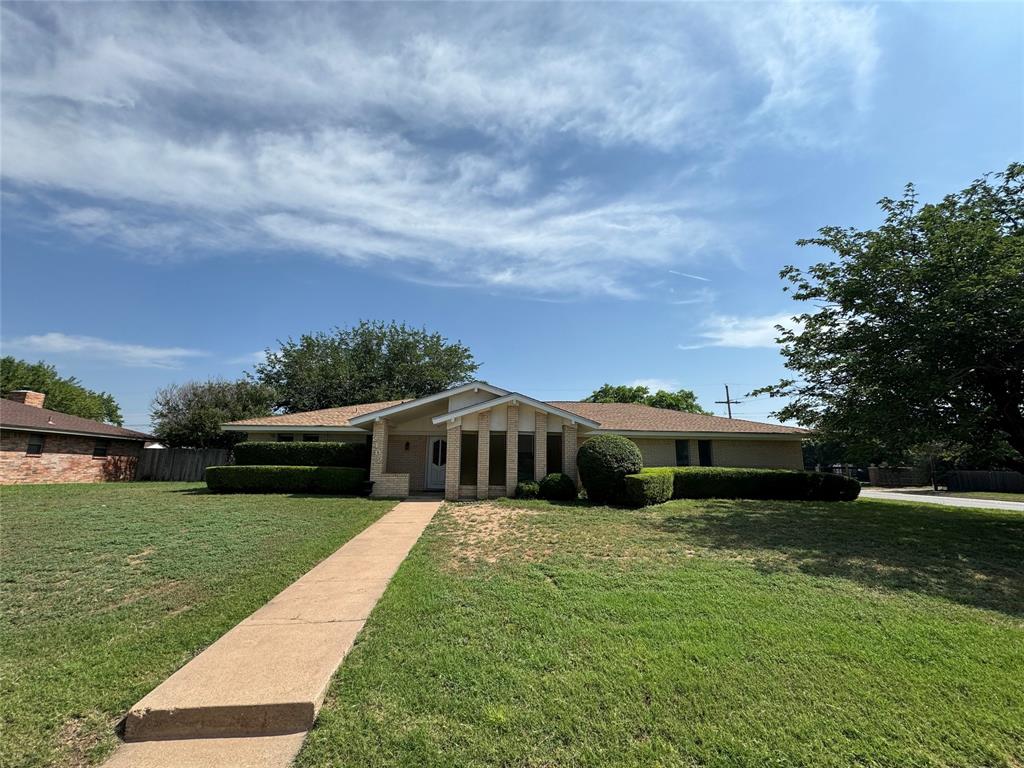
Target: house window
[
  {"x": 35, "y": 445},
  {"x": 683, "y": 453},
  {"x": 525, "y": 458},
  {"x": 101, "y": 448},
  {"x": 704, "y": 452},
  {"x": 554, "y": 453},
  {"x": 311, "y": 438},
  {"x": 281, "y": 438},
  {"x": 467, "y": 459},
  {"x": 496, "y": 462}
]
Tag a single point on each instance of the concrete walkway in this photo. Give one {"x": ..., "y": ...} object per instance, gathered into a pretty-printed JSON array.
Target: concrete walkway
[
  {"x": 249, "y": 698},
  {"x": 948, "y": 501}
]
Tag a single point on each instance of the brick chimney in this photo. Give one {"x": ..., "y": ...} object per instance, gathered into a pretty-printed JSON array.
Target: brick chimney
[{"x": 28, "y": 397}]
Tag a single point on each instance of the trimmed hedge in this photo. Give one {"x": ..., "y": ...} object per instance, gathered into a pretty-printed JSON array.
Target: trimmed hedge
[
  {"x": 342, "y": 481},
  {"x": 527, "y": 489},
  {"x": 646, "y": 488},
  {"x": 603, "y": 462},
  {"x": 558, "y": 487},
  {"x": 302, "y": 454},
  {"x": 740, "y": 483}
]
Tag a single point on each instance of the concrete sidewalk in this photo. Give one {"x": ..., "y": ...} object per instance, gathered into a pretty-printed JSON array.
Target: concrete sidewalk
[
  {"x": 946, "y": 501},
  {"x": 249, "y": 698}
]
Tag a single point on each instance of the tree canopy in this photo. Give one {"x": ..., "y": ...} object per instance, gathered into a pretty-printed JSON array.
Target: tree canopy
[
  {"x": 189, "y": 415},
  {"x": 683, "y": 400},
  {"x": 63, "y": 393},
  {"x": 370, "y": 362},
  {"x": 916, "y": 337}
]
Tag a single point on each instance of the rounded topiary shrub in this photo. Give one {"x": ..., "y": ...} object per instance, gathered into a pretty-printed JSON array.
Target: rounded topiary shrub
[
  {"x": 527, "y": 489},
  {"x": 557, "y": 487},
  {"x": 603, "y": 462}
]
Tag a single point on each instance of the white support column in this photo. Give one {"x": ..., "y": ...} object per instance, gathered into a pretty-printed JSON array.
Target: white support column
[{"x": 483, "y": 453}]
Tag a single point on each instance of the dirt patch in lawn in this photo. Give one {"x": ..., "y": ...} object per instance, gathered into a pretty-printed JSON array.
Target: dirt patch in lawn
[
  {"x": 82, "y": 738},
  {"x": 486, "y": 533}
]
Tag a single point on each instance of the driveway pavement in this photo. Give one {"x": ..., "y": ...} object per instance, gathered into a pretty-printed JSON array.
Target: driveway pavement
[
  {"x": 947, "y": 501},
  {"x": 249, "y": 698}
]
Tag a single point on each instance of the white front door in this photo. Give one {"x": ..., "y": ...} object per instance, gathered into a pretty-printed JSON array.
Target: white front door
[{"x": 437, "y": 458}]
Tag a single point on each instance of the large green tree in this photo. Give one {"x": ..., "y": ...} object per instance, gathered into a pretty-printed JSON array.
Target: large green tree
[
  {"x": 63, "y": 393},
  {"x": 681, "y": 400},
  {"x": 916, "y": 335},
  {"x": 189, "y": 415},
  {"x": 367, "y": 363}
]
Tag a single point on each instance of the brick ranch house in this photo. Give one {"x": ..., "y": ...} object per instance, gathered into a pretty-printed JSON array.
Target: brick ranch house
[
  {"x": 478, "y": 440},
  {"x": 38, "y": 445}
]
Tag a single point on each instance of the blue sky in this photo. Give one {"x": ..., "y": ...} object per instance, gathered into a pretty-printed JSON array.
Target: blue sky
[{"x": 581, "y": 193}]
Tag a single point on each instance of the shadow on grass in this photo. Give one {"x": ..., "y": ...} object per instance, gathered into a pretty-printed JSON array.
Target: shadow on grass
[{"x": 971, "y": 557}]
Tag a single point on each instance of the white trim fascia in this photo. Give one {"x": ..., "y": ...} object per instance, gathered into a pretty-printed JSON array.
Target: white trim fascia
[
  {"x": 290, "y": 428},
  {"x": 384, "y": 412},
  {"x": 706, "y": 435},
  {"x": 516, "y": 397}
]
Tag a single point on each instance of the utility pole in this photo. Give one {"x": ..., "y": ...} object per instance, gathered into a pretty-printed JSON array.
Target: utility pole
[{"x": 728, "y": 402}]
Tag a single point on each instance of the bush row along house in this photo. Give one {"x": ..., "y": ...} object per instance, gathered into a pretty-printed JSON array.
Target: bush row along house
[
  {"x": 478, "y": 440},
  {"x": 38, "y": 445}
]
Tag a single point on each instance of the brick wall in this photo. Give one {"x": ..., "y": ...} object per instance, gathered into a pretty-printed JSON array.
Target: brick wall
[
  {"x": 65, "y": 459},
  {"x": 771, "y": 454},
  {"x": 411, "y": 461}
]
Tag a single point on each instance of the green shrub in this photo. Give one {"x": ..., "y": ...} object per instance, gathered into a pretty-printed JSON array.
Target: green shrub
[
  {"x": 278, "y": 479},
  {"x": 741, "y": 483},
  {"x": 527, "y": 489},
  {"x": 603, "y": 462},
  {"x": 558, "y": 487},
  {"x": 646, "y": 488},
  {"x": 302, "y": 454}
]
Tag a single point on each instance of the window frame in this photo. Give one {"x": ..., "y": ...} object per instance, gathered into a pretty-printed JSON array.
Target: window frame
[
  {"x": 285, "y": 437},
  {"x": 101, "y": 448},
  {"x": 310, "y": 438},
  {"x": 468, "y": 453},
  {"x": 553, "y": 443},
  {"x": 525, "y": 458},
  {"x": 32, "y": 437},
  {"x": 497, "y": 458}
]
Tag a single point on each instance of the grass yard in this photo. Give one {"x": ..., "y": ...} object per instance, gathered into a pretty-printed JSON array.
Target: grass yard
[
  {"x": 107, "y": 589},
  {"x": 710, "y": 633}
]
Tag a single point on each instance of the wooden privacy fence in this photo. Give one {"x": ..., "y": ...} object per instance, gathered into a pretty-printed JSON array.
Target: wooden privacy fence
[
  {"x": 980, "y": 480},
  {"x": 185, "y": 464}
]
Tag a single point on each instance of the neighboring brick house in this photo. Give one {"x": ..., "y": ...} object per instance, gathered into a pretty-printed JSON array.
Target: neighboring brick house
[
  {"x": 478, "y": 440},
  {"x": 38, "y": 445}
]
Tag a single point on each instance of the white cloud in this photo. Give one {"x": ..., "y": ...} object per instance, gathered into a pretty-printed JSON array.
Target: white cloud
[
  {"x": 740, "y": 332},
  {"x": 389, "y": 135},
  {"x": 669, "y": 385},
  {"x": 118, "y": 353},
  {"x": 250, "y": 358}
]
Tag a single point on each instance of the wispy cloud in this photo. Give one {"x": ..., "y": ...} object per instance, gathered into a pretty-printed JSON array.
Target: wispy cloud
[
  {"x": 687, "y": 274},
  {"x": 387, "y": 137},
  {"x": 739, "y": 332},
  {"x": 669, "y": 385},
  {"x": 250, "y": 358},
  {"x": 103, "y": 350}
]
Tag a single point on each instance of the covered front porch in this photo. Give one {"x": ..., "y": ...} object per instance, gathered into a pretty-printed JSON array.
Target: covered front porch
[{"x": 476, "y": 448}]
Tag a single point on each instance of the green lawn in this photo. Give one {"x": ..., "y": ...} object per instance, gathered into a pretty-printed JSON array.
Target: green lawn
[
  {"x": 711, "y": 633},
  {"x": 107, "y": 589}
]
